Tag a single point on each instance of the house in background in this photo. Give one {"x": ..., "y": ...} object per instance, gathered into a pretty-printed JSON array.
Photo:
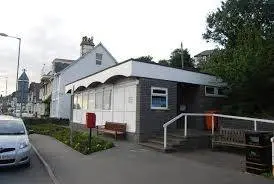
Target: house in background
[
  {"x": 92, "y": 59},
  {"x": 33, "y": 99},
  {"x": 144, "y": 95},
  {"x": 47, "y": 78},
  {"x": 203, "y": 56}
]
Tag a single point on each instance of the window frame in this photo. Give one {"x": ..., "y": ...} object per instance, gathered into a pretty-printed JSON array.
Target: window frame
[
  {"x": 152, "y": 94},
  {"x": 98, "y": 61},
  {"x": 110, "y": 100},
  {"x": 101, "y": 100},
  {"x": 216, "y": 92},
  {"x": 85, "y": 96}
]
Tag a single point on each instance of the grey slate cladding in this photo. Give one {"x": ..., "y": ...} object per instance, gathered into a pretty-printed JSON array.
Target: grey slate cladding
[{"x": 150, "y": 121}]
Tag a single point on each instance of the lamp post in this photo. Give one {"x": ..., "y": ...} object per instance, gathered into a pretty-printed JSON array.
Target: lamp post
[
  {"x": 18, "y": 63},
  {"x": 6, "y": 80}
]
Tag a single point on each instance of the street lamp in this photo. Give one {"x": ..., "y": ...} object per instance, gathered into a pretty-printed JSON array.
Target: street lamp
[
  {"x": 18, "y": 62},
  {"x": 6, "y": 83}
]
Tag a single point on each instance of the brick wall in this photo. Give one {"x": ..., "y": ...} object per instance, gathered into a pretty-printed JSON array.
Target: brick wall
[
  {"x": 196, "y": 102},
  {"x": 150, "y": 121}
]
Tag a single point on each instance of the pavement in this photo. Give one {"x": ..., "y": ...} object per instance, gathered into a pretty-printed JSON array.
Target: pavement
[
  {"x": 131, "y": 163},
  {"x": 35, "y": 174}
]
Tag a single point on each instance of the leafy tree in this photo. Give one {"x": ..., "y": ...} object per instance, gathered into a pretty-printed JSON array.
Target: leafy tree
[
  {"x": 224, "y": 25},
  {"x": 147, "y": 58},
  {"x": 176, "y": 61},
  {"x": 164, "y": 62},
  {"x": 246, "y": 61}
]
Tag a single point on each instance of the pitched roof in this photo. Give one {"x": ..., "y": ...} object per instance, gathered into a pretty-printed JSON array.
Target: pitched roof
[
  {"x": 62, "y": 60},
  {"x": 76, "y": 61},
  {"x": 59, "y": 66},
  {"x": 23, "y": 77},
  {"x": 204, "y": 53}
]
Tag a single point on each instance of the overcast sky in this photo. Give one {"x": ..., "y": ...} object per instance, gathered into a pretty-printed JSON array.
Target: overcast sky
[{"x": 53, "y": 29}]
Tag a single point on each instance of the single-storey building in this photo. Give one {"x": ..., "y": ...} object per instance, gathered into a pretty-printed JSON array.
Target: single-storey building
[{"x": 144, "y": 95}]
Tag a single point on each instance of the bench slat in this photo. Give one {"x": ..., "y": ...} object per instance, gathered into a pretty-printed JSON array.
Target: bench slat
[
  {"x": 229, "y": 137},
  {"x": 113, "y": 128}
]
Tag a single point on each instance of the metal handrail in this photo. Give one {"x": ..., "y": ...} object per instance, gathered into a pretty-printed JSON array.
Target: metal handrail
[
  {"x": 174, "y": 119},
  {"x": 255, "y": 120}
]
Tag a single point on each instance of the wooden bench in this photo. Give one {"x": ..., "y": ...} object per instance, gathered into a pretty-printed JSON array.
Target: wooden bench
[
  {"x": 229, "y": 137},
  {"x": 113, "y": 128}
]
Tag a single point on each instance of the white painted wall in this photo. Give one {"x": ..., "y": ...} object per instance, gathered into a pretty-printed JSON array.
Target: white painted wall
[
  {"x": 123, "y": 106},
  {"x": 85, "y": 66},
  {"x": 147, "y": 70}
]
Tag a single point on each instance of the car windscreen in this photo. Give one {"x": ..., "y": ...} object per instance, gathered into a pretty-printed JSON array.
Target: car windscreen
[{"x": 9, "y": 127}]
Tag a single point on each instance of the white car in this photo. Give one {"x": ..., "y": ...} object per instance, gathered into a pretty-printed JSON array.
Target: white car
[{"x": 14, "y": 142}]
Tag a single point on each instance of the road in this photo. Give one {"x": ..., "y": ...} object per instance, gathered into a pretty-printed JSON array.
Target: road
[{"x": 35, "y": 174}]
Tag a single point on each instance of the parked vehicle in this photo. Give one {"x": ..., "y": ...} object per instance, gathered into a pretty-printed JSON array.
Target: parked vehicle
[{"x": 14, "y": 142}]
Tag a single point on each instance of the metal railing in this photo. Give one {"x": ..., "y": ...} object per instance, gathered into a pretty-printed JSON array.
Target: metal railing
[{"x": 185, "y": 115}]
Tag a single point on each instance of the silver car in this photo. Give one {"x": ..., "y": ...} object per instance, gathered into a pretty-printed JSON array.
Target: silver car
[{"x": 14, "y": 142}]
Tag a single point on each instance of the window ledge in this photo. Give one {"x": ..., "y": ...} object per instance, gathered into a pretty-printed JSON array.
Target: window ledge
[
  {"x": 156, "y": 109},
  {"x": 213, "y": 95}
]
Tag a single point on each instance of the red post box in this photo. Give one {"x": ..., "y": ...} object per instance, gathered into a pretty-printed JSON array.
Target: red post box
[{"x": 90, "y": 120}]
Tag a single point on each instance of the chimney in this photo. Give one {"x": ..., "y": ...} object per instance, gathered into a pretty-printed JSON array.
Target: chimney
[{"x": 86, "y": 45}]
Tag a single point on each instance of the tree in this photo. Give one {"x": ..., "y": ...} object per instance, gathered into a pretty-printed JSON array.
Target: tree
[
  {"x": 147, "y": 58},
  {"x": 164, "y": 62},
  {"x": 176, "y": 61},
  {"x": 246, "y": 61},
  {"x": 224, "y": 25}
]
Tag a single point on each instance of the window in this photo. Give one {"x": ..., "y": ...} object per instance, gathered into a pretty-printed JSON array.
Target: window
[
  {"x": 159, "y": 98},
  {"x": 91, "y": 102},
  {"x": 85, "y": 101},
  {"x": 221, "y": 91},
  {"x": 98, "y": 100},
  {"x": 79, "y": 101},
  {"x": 75, "y": 102},
  {"x": 209, "y": 90},
  {"x": 215, "y": 91},
  {"x": 107, "y": 100},
  {"x": 99, "y": 58}
]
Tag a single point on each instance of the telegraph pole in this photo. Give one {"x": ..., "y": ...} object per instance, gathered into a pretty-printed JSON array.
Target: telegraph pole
[{"x": 182, "y": 55}]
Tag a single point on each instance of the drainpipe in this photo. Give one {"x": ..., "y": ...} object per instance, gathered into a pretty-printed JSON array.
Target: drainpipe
[{"x": 71, "y": 114}]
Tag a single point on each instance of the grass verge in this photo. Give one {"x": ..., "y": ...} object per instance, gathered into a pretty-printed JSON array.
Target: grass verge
[{"x": 79, "y": 139}]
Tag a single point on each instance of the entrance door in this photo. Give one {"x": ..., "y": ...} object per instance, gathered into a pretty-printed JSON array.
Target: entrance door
[{"x": 186, "y": 100}]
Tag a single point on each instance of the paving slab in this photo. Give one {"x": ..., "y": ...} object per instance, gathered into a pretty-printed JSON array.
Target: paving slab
[{"x": 131, "y": 163}]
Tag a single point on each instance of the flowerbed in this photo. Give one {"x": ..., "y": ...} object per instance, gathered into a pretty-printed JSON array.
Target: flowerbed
[{"x": 79, "y": 139}]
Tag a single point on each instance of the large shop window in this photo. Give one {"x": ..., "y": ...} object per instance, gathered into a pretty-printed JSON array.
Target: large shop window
[
  {"x": 98, "y": 100},
  {"x": 77, "y": 101},
  {"x": 85, "y": 101},
  {"x": 107, "y": 100},
  {"x": 91, "y": 101},
  {"x": 159, "y": 98}
]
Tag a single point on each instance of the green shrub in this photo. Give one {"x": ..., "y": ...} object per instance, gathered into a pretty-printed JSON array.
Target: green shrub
[
  {"x": 37, "y": 121},
  {"x": 79, "y": 139}
]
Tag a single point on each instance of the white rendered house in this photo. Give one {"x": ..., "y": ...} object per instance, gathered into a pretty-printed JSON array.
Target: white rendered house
[{"x": 92, "y": 59}]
